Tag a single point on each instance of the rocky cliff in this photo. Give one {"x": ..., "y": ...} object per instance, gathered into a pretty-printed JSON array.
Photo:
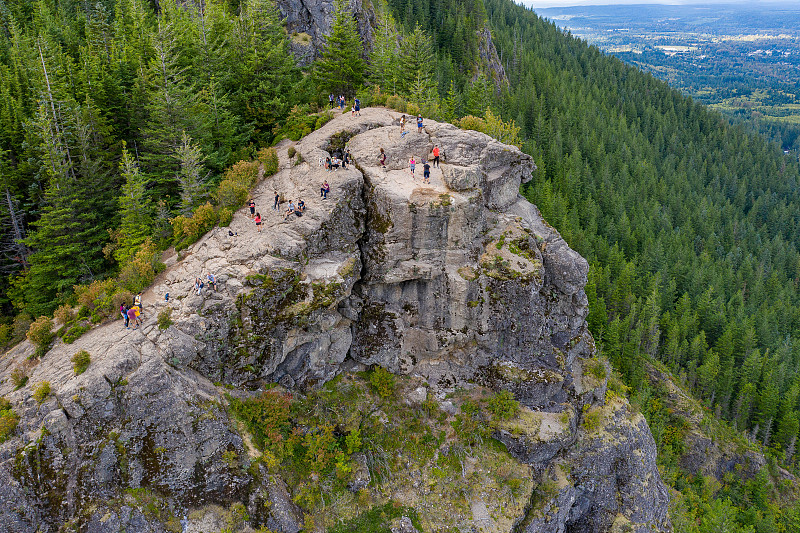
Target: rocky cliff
[{"x": 458, "y": 286}]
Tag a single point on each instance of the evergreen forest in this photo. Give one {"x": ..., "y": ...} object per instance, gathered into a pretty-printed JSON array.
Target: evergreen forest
[{"x": 126, "y": 127}]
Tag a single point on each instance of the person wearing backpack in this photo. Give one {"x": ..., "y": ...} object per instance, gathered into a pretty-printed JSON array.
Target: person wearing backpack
[{"x": 357, "y": 107}]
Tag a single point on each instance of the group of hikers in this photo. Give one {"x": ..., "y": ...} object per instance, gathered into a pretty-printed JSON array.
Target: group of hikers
[
  {"x": 199, "y": 284},
  {"x": 340, "y": 102},
  {"x": 133, "y": 312}
]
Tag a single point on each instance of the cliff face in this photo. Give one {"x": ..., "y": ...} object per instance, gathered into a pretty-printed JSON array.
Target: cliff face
[{"x": 459, "y": 283}]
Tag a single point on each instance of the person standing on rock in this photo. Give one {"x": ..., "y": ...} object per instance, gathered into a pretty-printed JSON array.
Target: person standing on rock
[
  {"x": 252, "y": 205},
  {"x": 419, "y": 123},
  {"x": 357, "y": 107},
  {"x": 132, "y": 317},
  {"x": 426, "y": 172},
  {"x": 123, "y": 309},
  {"x": 277, "y": 203},
  {"x": 412, "y": 164},
  {"x": 382, "y": 159},
  {"x": 137, "y": 302},
  {"x": 435, "y": 155},
  {"x": 258, "y": 222},
  {"x": 402, "y": 126},
  {"x": 330, "y": 99}
]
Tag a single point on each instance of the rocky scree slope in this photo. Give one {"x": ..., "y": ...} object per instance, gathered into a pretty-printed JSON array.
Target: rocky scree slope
[{"x": 459, "y": 282}]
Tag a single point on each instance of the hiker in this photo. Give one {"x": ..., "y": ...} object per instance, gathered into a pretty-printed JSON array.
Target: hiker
[
  {"x": 324, "y": 190},
  {"x": 426, "y": 172},
  {"x": 357, "y": 107},
  {"x": 330, "y": 99},
  {"x": 137, "y": 301},
  {"x": 341, "y": 102},
  {"x": 232, "y": 234},
  {"x": 277, "y": 201},
  {"x": 412, "y": 164},
  {"x": 123, "y": 309},
  {"x": 289, "y": 210},
  {"x": 328, "y": 165},
  {"x": 346, "y": 159},
  {"x": 252, "y": 206},
  {"x": 212, "y": 281},
  {"x": 258, "y": 222},
  {"x": 435, "y": 155},
  {"x": 335, "y": 163},
  {"x": 301, "y": 206},
  {"x": 402, "y": 125},
  {"x": 419, "y": 123},
  {"x": 132, "y": 316},
  {"x": 382, "y": 159}
]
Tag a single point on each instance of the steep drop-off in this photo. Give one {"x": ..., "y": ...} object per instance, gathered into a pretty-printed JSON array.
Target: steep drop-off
[{"x": 458, "y": 284}]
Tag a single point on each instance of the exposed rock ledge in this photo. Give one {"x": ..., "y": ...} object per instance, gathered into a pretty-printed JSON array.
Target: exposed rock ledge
[{"x": 460, "y": 280}]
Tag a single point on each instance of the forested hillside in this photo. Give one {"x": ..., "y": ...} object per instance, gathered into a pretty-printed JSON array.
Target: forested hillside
[{"x": 118, "y": 119}]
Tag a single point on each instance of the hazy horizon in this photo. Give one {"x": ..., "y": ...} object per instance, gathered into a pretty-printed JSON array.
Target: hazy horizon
[{"x": 578, "y": 3}]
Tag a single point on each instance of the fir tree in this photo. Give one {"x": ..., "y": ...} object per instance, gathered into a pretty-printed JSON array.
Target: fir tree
[
  {"x": 417, "y": 63},
  {"x": 189, "y": 176},
  {"x": 136, "y": 219},
  {"x": 340, "y": 67}
]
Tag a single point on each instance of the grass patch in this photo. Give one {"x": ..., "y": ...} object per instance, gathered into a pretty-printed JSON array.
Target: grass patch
[
  {"x": 41, "y": 392},
  {"x": 378, "y": 519}
]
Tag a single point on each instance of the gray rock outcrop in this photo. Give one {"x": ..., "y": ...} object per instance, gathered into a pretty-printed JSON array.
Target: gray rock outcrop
[{"x": 457, "y": 280}]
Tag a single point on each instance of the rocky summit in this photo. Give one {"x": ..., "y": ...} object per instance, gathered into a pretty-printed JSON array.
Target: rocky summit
[{"x": 454, "y": 286}]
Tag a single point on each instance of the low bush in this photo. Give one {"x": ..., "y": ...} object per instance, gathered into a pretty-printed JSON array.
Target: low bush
[
  {"x": 269, "y": 158},
  {"x": 225, "y": 216},
  {"x": 503, "y": 406},
  {"x": 382, "y": 382},
  {"x": 396, "y": 102},
  {"x": 81, "y": 361},
  {"x": 64, "y": 313},
  {"x": 19, "y": 377},
  {"x": 266, "y": 417},
  {"x": 186, "y": 230},
  {"x": 8, "y": 420},
  {"x": 40, "y": 333},
  {"x": 291, "y": 152},
  {"x": 75, "y": 332},
  {"x": 165, "y": 318},
  {"x": 41, "y": 392}
]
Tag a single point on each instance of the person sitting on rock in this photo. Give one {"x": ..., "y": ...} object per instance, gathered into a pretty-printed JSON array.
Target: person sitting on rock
[
  {"x": 212, "y": 281},
  {"x": 382, "y": 159},
  {"x": 324, "y": 190},
  {"x": 301, "y": 206},
  {"x": 289, "y": 210}
]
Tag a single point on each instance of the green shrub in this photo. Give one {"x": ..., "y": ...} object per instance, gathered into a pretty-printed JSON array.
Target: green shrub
[
  {"x": 75, "y": 332},
  {"x": 186, "y": 230},
  {"x": 591, "y": 420},
  {"x": 323, "y": 118},
  {"x": 269, "y": 158},
  {"x": 382, "y": 382},
  {"x": 138, "y": 273},
  {"x": 596, "y": 368},
  {"x": 165, "y": 318},
  {"x": 503, "y": 406},
  {"x": 291, "y": 152},
  {"x": 19, "y": 378},
  {"x": 40, "y": 333},
  {"x": 266, "y": 417},
  {"x": 231, "y": 194},
  {"x": 225, "y": 216},
  {"x": 41, "y": 392},
  {"x": 8, "y": 420},
  {"x": 64, "y": 313},
  {"x": 396, "y": 102},
  {"x": 80, "y": 362}
]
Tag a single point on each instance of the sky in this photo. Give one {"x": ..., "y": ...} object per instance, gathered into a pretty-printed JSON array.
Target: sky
[{"x": 563, "y": 3}]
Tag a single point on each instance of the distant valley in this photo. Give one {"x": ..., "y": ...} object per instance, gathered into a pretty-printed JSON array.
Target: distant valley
[{"x": 743, "y": 60}]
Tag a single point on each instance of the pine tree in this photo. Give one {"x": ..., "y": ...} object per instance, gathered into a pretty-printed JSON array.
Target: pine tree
[
  {"x": 383, "y": 58},
  {"x": 189, "y": 176},
  {"x": 417, "y": 63},
  {"x": 340, "y": 67},
  {"x": 136, "y": 218},
  {"x": 264, "y": 81}
]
